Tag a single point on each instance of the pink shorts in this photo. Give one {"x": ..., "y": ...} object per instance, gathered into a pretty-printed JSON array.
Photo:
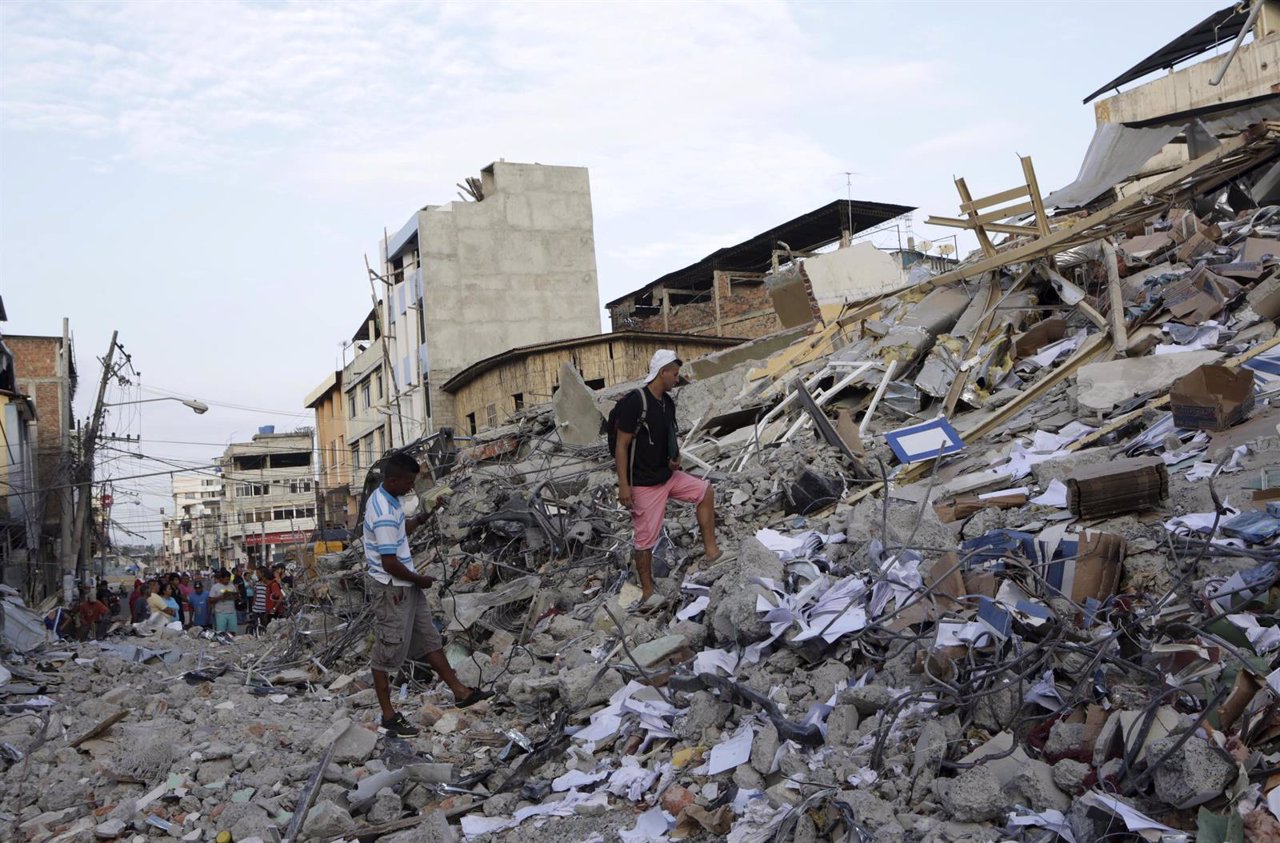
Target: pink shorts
[{"x": 649, "y": 504}]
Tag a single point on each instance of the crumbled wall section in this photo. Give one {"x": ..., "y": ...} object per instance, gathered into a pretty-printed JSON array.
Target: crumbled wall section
[
  {"x": 35, "y": 359},
  {"x": 744, "y": 310}
]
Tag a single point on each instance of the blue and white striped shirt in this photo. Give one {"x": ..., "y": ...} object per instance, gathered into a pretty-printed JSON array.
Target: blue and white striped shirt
[{"x": 384, "y": 534}]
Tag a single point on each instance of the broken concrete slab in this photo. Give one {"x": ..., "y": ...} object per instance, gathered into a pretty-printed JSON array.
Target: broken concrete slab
[
  {"x": 578, "y": 419},
  {"x": 1100, "y": 387}
]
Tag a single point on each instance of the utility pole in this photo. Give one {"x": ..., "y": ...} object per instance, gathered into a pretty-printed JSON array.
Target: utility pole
[{"x": 76, "y": 554}]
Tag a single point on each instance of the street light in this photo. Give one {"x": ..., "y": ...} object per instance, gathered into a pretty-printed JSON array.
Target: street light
[{"x": 198, "y": 406}]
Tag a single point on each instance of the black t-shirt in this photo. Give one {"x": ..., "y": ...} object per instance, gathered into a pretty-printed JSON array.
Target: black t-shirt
[{"x": 652, "y": 455}]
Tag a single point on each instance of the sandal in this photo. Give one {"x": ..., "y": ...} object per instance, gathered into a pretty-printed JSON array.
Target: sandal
[
  {"x": 655, "y": 603},
  {"x": 476, "y": 695}
]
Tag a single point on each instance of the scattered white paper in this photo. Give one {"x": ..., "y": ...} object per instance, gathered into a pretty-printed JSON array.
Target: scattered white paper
[
  {"x": 652, "y": 825},
  {"x": 1000, "y": 493},
  {"x": 864, "y": 777},
  {"x": 631, "y": 780},
  {"x": 1200, "y": 522},
  {"x": 1055, "y": 495},
  {"x": 1047, "y": 355},
  {"x": 1263, "y": 639},
  {"x": 709, "y": 661},
  {"x": 1201, "y": 470},
  {"x": 697, "y": 607},
  {"x": 1273, "y": 802},
  {"x": 477, "y": 824},
  {"x": 955, "y": 634},
  {"x": 1044, "y": 692},
  {"x": 732, "y": 752},
  {"x": 577, "y": 778},
  {"x": 1053, "y": 820},
  {"x": 800, "y": 546},
  {"x": 1206, "y": 336},
  {"x": 1134, "y": 820}
]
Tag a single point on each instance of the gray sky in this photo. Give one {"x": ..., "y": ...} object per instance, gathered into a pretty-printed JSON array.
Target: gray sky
[{"x": 208, "y": 177}]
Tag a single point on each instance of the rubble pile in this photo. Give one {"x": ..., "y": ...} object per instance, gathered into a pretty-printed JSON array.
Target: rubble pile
[{"x": 1002, "y": 562}]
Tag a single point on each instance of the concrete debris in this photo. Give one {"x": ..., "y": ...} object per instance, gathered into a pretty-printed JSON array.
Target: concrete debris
[{"x": 1096, "y": 648}]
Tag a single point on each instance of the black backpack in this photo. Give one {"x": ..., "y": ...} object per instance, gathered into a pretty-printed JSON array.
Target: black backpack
[{"x": 611, "y": 424}]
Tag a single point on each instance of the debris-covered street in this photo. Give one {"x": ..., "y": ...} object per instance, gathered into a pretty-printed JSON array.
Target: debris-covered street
[{"x": 965, "y": 550}]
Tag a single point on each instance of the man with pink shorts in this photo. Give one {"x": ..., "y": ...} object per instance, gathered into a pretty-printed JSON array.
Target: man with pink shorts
[{"x": 648, "y": 461}]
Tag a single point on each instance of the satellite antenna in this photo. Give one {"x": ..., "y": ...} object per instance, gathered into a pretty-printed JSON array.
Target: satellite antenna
[
  {"x": 848, "y": 194},
  {"x": 924, "y": 246}
]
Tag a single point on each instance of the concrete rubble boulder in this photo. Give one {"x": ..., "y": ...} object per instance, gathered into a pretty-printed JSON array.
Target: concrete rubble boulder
[{"x": 734, "y": 617}]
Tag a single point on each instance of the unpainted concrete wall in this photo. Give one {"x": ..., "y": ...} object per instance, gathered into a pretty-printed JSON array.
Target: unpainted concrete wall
[{"x": 518, "y": 268}]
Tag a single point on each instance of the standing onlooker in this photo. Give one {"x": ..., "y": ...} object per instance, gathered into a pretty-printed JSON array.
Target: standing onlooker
[
  {"x": 261, "y": 600},
  {"x": 244, "y": 597},
  {"x": 199, "y": 602},
  {"x": 223, "y": 598},
  {"x": 184, "y": 598},
  {"x": 275, "y": 594},
  {"x": 140, "y": 602},
  {"x": 161, "y": 601},
  {"x": 134, "y": 598}
]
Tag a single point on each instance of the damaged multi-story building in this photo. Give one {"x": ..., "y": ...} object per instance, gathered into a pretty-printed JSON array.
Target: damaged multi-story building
[
  {"x": 724, "y": 294},
  {"x": 39, "y": 377},
  {"x": 512, "y": 264},
  {"x": 193, "y": 533},
  {"x": 269, "y": 494}
]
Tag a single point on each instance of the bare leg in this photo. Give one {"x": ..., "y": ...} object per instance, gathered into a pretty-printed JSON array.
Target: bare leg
[
  {"x": 442, "y": 668},
  {"x": 644, "y": 569},
  {"x": 382, "y": 687},
  {"x": 706, "y": 512}
]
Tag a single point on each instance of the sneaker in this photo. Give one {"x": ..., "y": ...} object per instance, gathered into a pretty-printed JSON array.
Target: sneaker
[{"x": 398, "y": 727}]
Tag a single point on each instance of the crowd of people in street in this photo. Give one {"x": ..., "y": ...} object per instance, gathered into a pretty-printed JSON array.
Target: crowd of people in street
[{"x": 222, "y": 601}]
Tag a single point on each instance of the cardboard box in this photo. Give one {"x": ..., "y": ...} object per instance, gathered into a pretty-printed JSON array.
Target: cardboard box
[
  {"x": 1199, "y": 243},
  {"x": 1212, "y": 398},
  {"x": 1264, "y": 299},
  {"x": 1199, "y": 296},
  {"x": 1098, "y": 567}
]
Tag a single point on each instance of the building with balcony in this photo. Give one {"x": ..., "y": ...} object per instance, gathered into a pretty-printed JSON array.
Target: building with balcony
[
  {"x": 195, "y": 534},
  {"x": 269, "y": 491}
]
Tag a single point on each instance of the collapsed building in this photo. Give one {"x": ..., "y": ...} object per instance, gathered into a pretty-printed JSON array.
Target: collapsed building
[{"x": 1006, "y": 549}]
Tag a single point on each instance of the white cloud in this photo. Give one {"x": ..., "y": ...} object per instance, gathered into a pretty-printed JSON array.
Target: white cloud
[{"x": 667, "y": 104}]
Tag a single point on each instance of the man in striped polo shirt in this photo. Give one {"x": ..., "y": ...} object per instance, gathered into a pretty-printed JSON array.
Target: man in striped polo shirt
[{"x": 402, "y": 622}]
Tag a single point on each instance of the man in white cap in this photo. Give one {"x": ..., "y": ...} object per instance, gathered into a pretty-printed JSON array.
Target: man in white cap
[{"x": 648, "y": 462}]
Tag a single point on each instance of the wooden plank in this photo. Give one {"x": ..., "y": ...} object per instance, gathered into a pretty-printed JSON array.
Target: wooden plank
[
  {"x": 994, "y": 199},
  {"x": 1005, "y": 213},
  {"x": 1119, "y": 330},
  {"x": 1033, "y": 189},
  {"x": 999, "y": 228},
  {"x": 100, "y": 727},
  {"x": 983, "y": 240},
  {"x": 1206, "y": 169},
  {"x": 994, "y": 297}
]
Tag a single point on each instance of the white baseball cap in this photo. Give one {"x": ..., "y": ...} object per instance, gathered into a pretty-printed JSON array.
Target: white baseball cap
[{"x": 661, "y": 358}]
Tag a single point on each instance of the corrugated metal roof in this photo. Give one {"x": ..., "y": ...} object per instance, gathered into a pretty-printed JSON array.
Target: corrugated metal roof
[
  {"x": 805, "y": 233},
  {"x": 1218, "y": 28}
]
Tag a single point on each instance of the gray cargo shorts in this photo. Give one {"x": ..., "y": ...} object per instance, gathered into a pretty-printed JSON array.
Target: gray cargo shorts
[{"x": 402, "y": 626}]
